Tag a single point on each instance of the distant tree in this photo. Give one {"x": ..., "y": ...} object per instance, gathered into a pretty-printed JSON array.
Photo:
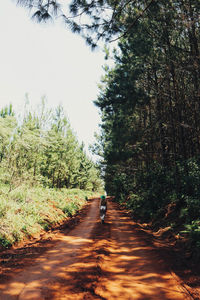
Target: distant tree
[
  {"x": 7, "y": 126},
  {"x": 41, "y": 148}
]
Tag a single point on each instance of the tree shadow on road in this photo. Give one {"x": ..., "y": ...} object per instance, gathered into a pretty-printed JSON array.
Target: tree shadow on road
[{"x": 114, "y": 260}]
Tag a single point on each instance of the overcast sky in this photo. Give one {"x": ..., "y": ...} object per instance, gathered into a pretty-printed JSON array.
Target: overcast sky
[{"x": 48, "y": 60}]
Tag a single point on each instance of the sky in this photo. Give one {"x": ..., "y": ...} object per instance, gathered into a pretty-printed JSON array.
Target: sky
[{"x": 48, "y": 60}]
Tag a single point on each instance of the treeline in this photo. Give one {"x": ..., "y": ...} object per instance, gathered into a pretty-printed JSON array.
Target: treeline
[
  {"x": 40, "y": 148},
  {"x": 150, "y": 107}
]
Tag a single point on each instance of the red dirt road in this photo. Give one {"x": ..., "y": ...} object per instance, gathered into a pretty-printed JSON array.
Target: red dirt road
[{"x": 94, "y": 261}]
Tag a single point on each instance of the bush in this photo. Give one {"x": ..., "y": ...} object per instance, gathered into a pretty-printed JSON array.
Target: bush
[
  {"x": 4, "y": 241},
  {"x": 193, "y": 232},
  {"x": 27, "y": 211}
]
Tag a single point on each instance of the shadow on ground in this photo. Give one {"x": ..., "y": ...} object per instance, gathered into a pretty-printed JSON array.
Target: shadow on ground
[{"x": 115, "y": 260}]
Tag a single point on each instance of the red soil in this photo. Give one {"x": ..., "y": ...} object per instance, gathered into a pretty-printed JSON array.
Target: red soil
[{"x": 115, "y": 260}]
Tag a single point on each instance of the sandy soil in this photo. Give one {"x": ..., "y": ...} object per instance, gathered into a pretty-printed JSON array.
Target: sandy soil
[{"x": 91, "y": 261}]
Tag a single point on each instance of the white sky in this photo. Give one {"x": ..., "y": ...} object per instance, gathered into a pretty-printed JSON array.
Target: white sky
[{"x": 48, "y": 60}]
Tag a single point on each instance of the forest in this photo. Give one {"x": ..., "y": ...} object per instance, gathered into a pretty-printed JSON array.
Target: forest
[{"x": 149, "y": 103}]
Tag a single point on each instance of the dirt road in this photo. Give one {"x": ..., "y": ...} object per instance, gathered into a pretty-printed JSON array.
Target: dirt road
[{"x": 94, "y": 261}]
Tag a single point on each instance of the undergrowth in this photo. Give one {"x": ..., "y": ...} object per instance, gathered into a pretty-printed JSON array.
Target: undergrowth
[
  {"x": 26, "y": 211},
  {"x": 167, "y": 197}
]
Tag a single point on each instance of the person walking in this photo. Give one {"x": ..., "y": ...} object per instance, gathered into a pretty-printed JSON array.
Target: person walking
[{"x": 103, "y": 208}]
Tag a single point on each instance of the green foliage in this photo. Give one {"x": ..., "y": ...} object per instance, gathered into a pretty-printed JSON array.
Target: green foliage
[
  {"x": 157, "y": 186},
  {"x": 41, "y": 148},
  {"x": 193, "y": 232},
  {"x": 44, "y": 172},
  {"x": 70, "y": 209},
  {"x": 4, "y": 242},
  {"x": 27, "y": 211}
]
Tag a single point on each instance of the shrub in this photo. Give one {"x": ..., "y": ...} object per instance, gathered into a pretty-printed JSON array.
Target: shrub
[
  {"x": 4, "y": 241},
  {"x": 193, "y": 232},
  {"x": 26, "y": 211}
]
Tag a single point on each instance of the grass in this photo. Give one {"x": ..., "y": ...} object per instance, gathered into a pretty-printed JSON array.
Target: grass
[{"x": 27, "y": 211}]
